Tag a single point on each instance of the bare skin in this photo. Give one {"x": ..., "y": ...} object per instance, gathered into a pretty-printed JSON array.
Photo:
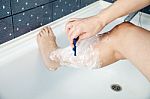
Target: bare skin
[
  {"x": 87, "y": 27},
  {"x": 125, "y": 41},
  {"x": 133, "y": 43},
  {"x": 130, "y": 42},
  {"x": 47, "y": 44}
]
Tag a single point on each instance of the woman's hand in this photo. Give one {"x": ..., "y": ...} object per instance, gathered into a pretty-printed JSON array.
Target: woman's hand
[{"x": 83, "y": 28}]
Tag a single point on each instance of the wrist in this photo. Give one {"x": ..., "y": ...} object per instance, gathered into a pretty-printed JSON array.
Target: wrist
[
  {"x": 98, "y": 23},
  {"x": 101, "y": 20},
  {"x": 106, "y": 16}
]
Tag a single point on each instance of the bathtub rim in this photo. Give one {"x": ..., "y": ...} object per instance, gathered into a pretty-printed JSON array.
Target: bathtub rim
[
  {"x": 10, "y": 46},
  {"x": 11, "y": 49},
  {"x": 33, "y": 33}
]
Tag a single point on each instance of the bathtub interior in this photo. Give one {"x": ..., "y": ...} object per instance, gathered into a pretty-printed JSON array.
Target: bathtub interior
[
  {"x": 142, "y": 20},
  {"x": 24, "y": 76}
]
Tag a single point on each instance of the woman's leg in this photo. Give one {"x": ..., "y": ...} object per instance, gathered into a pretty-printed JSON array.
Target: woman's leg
[
  {"x": 125, "y": 41},
  {"x": 89, "y": 52},
  {"x": 47, "y": 44},
  {"x": 53, "y": 57},
  {"x": 133, "y": 43}
]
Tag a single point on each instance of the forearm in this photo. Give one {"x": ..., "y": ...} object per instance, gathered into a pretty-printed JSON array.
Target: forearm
[{"x": 121, "y": 8}]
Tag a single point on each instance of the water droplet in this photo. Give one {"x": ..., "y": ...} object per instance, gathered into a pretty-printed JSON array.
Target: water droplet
[
  {"x": 23, "y": 13},
  {"x": 28, "y": 24},
  {"x": 3, "y": 7},
  {"x": 8, "y": 12},
  {"x": 57, "y": 6},
  {"x": 36, "y": 4},
  {"x": 26, "y": 3},
  {"x": 19, "y": 20},
  {"x": 17, "y": 29},
  {"x": 22, "y": 8},
  {"x": 5, "y": 28}
]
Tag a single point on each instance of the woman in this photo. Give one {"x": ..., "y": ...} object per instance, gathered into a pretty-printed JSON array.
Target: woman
[{"x": 125, "y": 41}]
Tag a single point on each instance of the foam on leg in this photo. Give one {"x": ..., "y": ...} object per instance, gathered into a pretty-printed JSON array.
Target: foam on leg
[{"x": 87, "y": 55}]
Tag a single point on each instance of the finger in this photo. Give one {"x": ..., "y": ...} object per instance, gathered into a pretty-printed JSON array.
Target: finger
[
  {"x": 71, "y": 44},
  {"x": 73, "y": 19},
  {"x": 82, "y": 37},
  {"x": 73, "y": 36},
  {"x": 69, "y": 23},
  {"x": 68, "y": 27},
  {"x": 71, "y": 31},
  {"x": 75, "y": 33}
]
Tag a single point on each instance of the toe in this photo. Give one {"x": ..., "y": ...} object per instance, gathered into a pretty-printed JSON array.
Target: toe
[
  {"x": 42, "y": 32},
  {"x": 51, "y": 32},
  {"x": 46, "y": 29},
  {"x": 39, "y": 35}
]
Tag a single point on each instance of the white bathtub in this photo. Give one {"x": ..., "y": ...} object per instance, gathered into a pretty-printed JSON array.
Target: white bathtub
[{"x": 24, "y": 76}]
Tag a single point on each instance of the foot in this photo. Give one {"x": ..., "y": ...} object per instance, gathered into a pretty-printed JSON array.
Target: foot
[{"x": 47, "y": 44}]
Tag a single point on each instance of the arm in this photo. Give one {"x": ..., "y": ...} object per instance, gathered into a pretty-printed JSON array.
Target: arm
[
  {"x": 87, "y": 27},
  {"x": 121, "y": 8}
]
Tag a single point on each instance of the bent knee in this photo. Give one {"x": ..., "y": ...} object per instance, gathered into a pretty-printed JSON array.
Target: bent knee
[{"x": 123, "y": 28}]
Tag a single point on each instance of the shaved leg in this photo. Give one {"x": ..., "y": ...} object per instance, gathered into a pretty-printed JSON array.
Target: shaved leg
[
  {"x": 92, "y": 53},
  {"x": 125, "y": 41},
  {"x": 133, "y": 43}
]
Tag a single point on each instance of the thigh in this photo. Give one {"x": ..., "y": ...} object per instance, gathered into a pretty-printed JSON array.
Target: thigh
[{"x": 133, "y": 43}]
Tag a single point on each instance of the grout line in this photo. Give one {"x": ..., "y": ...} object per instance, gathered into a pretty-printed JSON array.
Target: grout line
[
  {"x": 24, "y": 10},
  {"x": 52, "y": 11},
  {"x": 12, "y": 20},
  {"x": 32, "y": 8},
  {"x": 52, "y": 3},
  {"x": 33, "y": 33}
]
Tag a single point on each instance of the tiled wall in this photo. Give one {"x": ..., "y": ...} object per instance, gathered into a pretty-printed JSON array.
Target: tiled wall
[{"x": 18, "y": 17}]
